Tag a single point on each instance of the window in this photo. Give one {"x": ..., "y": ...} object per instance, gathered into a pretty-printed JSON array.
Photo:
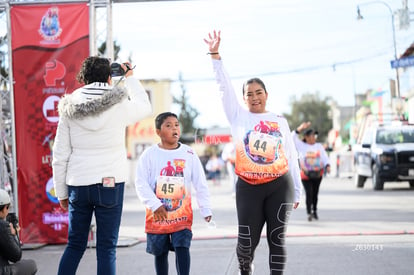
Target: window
[{"x": 394, "y": 136}]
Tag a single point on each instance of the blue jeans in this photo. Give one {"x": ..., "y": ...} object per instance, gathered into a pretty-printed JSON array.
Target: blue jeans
[{"x": 107, "y": 203}]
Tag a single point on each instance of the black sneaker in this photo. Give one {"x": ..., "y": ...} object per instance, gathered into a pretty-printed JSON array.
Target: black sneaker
[
  {"x": 315, "y": 216},
  {"x": 249, "y": 272}
]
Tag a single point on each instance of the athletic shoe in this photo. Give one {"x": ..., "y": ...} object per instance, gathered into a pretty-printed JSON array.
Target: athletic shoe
[
  {"x": 251, "y": 270},
  {"x": 315, "y": 215},
  {"x": 309, "y": 217}
]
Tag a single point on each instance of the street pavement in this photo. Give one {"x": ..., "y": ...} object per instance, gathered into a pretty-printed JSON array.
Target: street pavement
[{"x": 359, "y": 231}]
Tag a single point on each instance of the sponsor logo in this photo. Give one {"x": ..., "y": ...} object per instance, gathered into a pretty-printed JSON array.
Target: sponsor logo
[
  {"x": 50, "y": 108},
  {"x": 50, "y": 191},
  {"x": 50, "y": 28},
  {"x": 54, "y": 70}
]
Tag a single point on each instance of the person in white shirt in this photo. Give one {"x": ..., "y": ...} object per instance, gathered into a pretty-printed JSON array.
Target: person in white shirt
[
  {"x": 229, "y": 156},
  {"x": 314, "y": 161},
  {"x": 214, "y": 166},
  {"x": 164, "y": 176},
  {"x": 90, "y": 160},
  {"x": 268, "y": 184}
]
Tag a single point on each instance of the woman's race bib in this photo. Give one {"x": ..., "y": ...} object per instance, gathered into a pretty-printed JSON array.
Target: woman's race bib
[{"x": 263, "y": 145}]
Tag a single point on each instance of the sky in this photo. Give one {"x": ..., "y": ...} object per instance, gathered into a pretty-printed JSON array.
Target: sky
[{"x": 295, "y": 47}]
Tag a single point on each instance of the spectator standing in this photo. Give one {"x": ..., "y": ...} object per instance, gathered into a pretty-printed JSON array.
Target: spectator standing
[
  {"x": 229, "y": 157},
  {"x": 90, "y": 159},
  {"x": 214, "y": 166}
]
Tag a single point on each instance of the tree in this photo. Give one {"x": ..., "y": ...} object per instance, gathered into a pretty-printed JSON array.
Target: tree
[
  {"x": 3, "y": 70},
  {"x": 102, "y": 50},
  {"x": 311, "y": 108},
  {"x": 187, "y": 113}
]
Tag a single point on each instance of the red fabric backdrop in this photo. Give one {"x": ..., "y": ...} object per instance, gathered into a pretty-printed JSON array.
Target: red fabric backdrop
[{"x": 49, "y": 42}]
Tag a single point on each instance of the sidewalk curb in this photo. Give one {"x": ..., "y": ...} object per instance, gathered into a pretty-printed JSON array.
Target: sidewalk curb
[{"x": 294, "y": 235}]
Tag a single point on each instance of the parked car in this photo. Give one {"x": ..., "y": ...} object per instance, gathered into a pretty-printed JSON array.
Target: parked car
[{"x": 386, "y": 154}]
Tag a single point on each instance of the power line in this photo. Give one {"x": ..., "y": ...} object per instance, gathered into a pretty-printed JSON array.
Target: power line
[{"x": 294, "y": 70}]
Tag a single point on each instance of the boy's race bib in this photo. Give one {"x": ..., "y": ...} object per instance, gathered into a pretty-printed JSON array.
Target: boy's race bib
[{"x": 169, "y": 187}]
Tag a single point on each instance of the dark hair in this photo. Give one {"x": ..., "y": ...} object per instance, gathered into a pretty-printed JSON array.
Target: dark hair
[
  {"x": 4, "y": 205},
  {"x": 254, "y": 80},
  {"x": 159, "y": 120},
  {"x": 307, "y": 133},
  {"x": 94, "y": 69}
]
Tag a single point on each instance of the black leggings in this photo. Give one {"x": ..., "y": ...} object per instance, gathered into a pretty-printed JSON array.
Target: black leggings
[
  {"x": 182, "y": 262},
  {"x": 311, "y": 187},
  {"x": 268, "y": 203}
]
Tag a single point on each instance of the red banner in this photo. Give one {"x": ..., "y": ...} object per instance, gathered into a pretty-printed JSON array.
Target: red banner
[{"x": 49, "y": 43}]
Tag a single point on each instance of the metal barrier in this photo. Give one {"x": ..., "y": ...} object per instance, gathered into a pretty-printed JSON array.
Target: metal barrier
[{"x": 342, "y": 164}]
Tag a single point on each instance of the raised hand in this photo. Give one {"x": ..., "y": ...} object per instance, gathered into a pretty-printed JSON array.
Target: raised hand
[
  {"x": 303, "y": 126},
  {"x": 213, "y": 41}
]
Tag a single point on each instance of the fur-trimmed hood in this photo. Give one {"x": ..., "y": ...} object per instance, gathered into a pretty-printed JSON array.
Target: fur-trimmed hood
[
  {"x": 90, "y": 105},
  {"x": 90, "y": 100}
]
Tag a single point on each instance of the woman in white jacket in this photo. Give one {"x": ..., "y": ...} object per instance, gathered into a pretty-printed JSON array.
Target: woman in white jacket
[{"x": 90, "y": 160}]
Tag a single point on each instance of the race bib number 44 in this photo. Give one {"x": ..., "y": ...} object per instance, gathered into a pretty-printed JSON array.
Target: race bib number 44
[
  {"x": 170, "y": 187},
  {"x": 263, "y": 145}
]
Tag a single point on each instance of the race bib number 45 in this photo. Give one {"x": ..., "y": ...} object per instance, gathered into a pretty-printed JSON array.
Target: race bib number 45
[
  {"x": 170, "y": 187},
  {"x": 263, "y": 145}
]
